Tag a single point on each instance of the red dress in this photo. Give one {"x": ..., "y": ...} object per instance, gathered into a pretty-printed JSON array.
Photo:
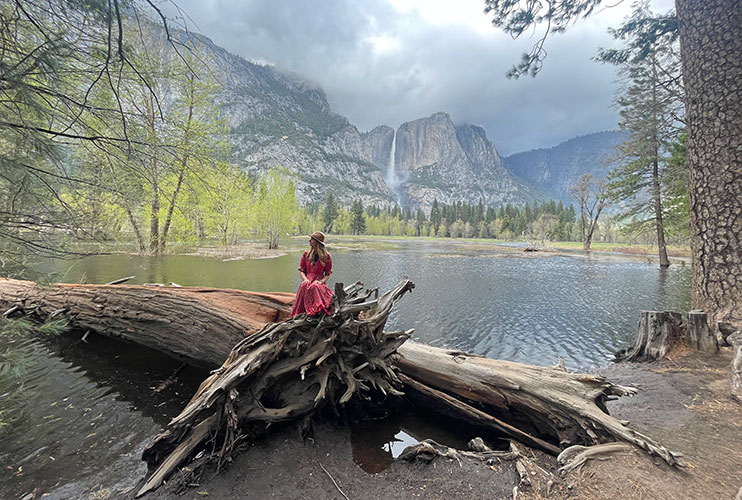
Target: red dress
[{"x": 313, "y": 298}]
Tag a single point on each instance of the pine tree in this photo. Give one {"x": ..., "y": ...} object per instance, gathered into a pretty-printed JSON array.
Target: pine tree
[
  {"x": 435, "y": 216},
  {"x": 357, "y": 221},
  {"x": 331, "y": 213},
  {"x": 649, "y": 108}
]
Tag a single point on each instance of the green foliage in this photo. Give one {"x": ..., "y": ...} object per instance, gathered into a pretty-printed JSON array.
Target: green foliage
[
  {"x": 357, "y": 221},
  {"x": 651, "y": 107},
  {"x": 275, "y": 205},
  {"x": 677, "y": 199},
  {"x": 65, "y": 69},
  {"x": 546, "y": 220},
  {"x": 226, "y": 204},
  {"x": 331, "y": 213}
]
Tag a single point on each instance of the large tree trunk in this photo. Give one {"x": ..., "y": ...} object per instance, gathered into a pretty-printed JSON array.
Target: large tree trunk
[
  {"x": 290, "y": 362},
  {"x": 711, "y": 44},
  {"x": 199, "y": 325}
]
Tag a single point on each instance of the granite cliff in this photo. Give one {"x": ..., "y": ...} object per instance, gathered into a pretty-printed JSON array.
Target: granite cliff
[{"x": 279, "y": 118}]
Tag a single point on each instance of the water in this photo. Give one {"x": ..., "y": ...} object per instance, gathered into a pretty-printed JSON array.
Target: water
[
  {"x": 392, "y": 179},
  {"x": 78, "y": 420},
  {"x": 499, "y": 303},
  {"x": 88, "y": 409}
]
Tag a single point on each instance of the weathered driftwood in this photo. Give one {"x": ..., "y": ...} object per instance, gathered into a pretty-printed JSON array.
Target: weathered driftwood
[
  {"x": 196, "y": 324},
  {"x": 545, "y": 403},
  {"x": 427, "y": 450},
  {"x": 575, "y": 456},
  {"x": 544, "y": 407},
  {"x": 285, "y": 371}
]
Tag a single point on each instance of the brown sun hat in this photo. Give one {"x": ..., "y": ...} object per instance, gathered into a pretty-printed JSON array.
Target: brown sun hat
[{"x": 319, "y": 237}]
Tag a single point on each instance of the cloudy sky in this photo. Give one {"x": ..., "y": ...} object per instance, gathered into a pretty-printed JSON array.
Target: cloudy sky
[{"x": 392, "y": 61}]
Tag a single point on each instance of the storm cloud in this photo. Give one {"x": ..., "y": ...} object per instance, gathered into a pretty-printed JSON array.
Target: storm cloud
[{"x": 390, "y": 62}]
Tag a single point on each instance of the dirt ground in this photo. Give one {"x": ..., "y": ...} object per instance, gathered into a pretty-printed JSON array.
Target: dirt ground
[{"x": 683, "y": 402}]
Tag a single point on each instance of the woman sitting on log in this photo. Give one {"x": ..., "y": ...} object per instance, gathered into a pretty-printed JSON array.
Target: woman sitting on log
[{"x": 315, "y": 267}]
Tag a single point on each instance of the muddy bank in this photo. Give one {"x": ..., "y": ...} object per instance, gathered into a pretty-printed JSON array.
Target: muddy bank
[
  {"x": 684, "y": 402},
  {"x": 285, "y": 466}
]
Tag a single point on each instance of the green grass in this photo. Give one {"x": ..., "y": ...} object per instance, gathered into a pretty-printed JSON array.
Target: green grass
[{"x": 635, "y": 249}]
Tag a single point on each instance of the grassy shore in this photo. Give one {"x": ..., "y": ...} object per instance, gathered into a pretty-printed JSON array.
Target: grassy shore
[
  {"x": 635, "y": 249},
  {"x": 257, "y": 249}
]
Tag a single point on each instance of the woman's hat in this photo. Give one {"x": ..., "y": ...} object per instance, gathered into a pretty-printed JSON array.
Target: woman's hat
[{"x": 319, "y": 237}]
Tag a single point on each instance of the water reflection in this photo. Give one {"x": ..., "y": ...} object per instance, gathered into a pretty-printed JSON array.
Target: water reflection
[
  {"x": 499, "y": 304},
  {"x": 83, "y": 415},
  {"x": 376, "y": 443}
]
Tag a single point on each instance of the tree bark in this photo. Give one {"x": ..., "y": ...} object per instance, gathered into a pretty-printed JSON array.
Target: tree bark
[
  {"x": 711, "y": 44},
  {"x": 198, "y": 325},
  {"x": 700, "y": 336}
]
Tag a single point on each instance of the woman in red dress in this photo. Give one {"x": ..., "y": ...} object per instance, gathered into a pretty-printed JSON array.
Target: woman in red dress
[{"x": 315, "y": 267}]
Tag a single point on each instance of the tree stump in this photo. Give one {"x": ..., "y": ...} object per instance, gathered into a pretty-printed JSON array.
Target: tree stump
[
  {"x": 659, "y": 332},
  {"x": 700, "y": 336}
]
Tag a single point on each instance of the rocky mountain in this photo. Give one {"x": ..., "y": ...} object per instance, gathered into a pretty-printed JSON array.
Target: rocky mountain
[
  {"x": 436, "y": 160},
  {"x": 553, "y": 170},
  {"x": 279, "y": 118}
]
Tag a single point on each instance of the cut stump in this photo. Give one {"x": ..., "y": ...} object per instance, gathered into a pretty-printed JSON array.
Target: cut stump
[{"x": 661, "y": 331}]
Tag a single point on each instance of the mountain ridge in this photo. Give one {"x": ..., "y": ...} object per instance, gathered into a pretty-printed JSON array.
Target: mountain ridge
[{"x": 280, "y": 118}]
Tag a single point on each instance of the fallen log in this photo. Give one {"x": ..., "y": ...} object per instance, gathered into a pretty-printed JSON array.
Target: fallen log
[
  {"x": 544, "y": 407},
  {"x": 285, "y": 371},
  {"x": 195, "y": 324},
  {"x": 543, "y": 403}
]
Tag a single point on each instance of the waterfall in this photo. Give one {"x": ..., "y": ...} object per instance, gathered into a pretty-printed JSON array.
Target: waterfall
[
  {"x": 391, "y": 174},
  {"x": 393, "y": 181}
]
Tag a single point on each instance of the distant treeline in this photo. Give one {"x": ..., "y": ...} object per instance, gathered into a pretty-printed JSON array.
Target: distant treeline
[
  {"x": 546, "y": 220},
  {"x": 539, "y": 221}
]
